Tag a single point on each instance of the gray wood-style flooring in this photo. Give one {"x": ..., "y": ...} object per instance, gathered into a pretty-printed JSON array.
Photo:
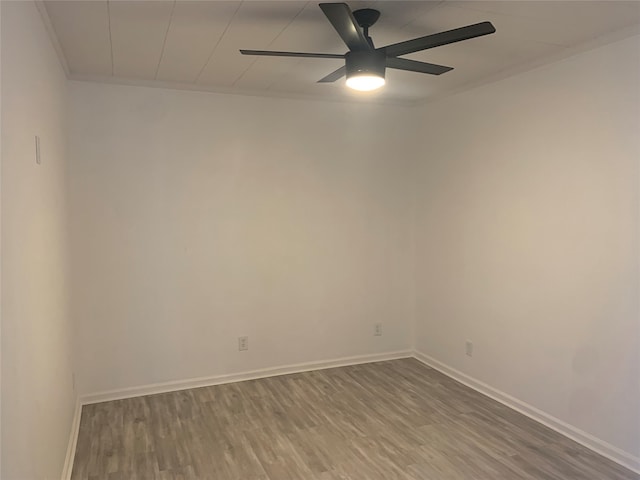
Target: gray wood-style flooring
[{"x": 380, "y": 421}]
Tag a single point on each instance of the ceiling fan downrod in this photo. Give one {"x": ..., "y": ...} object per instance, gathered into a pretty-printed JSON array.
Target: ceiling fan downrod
[{"x": 366, "y": 18}]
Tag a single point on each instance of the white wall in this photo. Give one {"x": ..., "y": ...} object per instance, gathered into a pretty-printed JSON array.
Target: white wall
[
  {"x": 0, "y": 243},
  {"x": 37, "y": 394},
  {"x": 198, "y": 218},
  {"x": 527, "y": 238}
]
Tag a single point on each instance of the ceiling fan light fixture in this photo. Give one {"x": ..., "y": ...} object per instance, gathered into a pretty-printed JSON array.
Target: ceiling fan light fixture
[
  {"x": 365, "y": 70},
  {"x": 365, "y": 82}
]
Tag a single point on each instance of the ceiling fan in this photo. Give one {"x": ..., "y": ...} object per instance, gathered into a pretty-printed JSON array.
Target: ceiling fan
[{"x": 364, "y": 64}]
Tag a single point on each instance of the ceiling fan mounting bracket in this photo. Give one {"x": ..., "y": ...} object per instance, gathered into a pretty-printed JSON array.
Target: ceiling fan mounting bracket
[{"x": 366, "y": 17}]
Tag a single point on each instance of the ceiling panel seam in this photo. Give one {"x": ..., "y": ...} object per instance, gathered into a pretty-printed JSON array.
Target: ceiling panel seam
[
  {"x": 428, "y": 9},
  {"x": 110, "y": 40},
  {"x": 215, "y": 47},
  {"x": 53, "y": 35},
  {"x": 277, "y": 80},
  {"x": 270, "y": 43},
  {"x": 164, "y": 42}
]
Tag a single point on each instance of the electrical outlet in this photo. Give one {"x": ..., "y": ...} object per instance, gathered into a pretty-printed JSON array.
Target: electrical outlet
[
  {"x": 377, "y": 330},
  {"x": 243, "y": 343},
  {"x": 468, "y": 348}
]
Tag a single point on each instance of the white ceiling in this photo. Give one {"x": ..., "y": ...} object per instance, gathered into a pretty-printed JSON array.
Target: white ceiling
[{"x": 194, "y": 44}]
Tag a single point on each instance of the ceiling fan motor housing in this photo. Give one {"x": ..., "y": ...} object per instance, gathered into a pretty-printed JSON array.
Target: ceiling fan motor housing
[{"x": 365, "y": 63}]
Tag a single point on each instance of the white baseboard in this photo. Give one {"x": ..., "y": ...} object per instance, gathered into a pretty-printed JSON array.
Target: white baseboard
[
  {"x": 209, "y": 381},
  {"x": 592, "y": 443},
  {"x": 599, "y": 446},
  {"x": 73, "y": 441},
  {"x": 238, "y": 377}
]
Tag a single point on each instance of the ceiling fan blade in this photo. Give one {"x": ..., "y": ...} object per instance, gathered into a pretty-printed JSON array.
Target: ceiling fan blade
[
  {"x": 438, "y": 39},
  {"x": 333, "y": 76},
  {"x": 413, "y": 66},
  {"x": 345, "y": 24},
  {"x": 271, "y": 53}
]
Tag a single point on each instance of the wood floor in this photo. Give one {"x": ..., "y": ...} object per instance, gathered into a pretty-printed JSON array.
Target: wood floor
[{"x": 387, "y": 420}]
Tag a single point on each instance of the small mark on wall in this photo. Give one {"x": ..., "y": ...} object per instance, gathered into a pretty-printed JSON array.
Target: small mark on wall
[{"x": 37, "y": 141}]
